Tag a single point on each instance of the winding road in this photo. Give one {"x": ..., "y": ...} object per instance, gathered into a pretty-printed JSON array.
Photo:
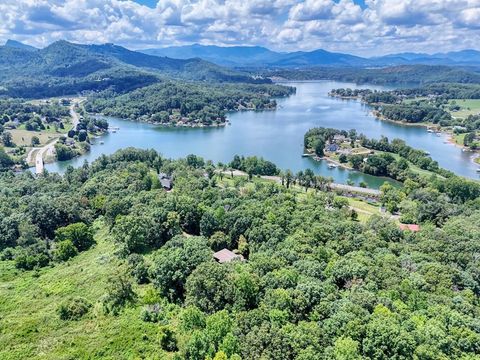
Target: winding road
[{"x": 49, "y": 149}]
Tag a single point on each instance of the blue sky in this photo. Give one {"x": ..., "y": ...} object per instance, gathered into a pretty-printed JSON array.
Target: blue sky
[{"x": 362, "y": 27}]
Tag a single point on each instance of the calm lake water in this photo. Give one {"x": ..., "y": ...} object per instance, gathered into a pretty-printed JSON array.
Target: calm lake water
[{"x": 278, "y": 135}]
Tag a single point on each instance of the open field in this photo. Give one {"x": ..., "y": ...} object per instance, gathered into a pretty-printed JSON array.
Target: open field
[
  {"x": 24, "y": 137},
  {"x": 468, "y": 107},
  {"x": 36, "y": 332}
]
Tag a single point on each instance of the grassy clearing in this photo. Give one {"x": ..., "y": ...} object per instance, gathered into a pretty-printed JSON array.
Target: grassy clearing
[
  {"x": 459, "y": 139},
  {"x": 24, "y": 137},
  {"x": 467, "y": 107},
  {"x": 38, "y": 333}
]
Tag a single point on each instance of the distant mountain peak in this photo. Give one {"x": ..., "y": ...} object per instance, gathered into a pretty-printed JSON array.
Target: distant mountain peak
[{"x": 19, "y": 45}]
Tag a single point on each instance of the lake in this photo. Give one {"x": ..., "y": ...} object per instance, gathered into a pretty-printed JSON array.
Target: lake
[{"x": 278, "y": 135}]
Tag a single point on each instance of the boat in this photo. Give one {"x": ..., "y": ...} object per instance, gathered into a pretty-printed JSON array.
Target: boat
[
  {"x": 332, "y": 166},
  {"x": 478, "y": 170},
  {"x": 101, "y": 142},
  {"x": 306, "y": 155},
  {"x": 430, "y": 131}
]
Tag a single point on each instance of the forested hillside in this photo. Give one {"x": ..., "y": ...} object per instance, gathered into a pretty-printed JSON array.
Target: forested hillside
[
  {"x": 405, "y": 74},
  {"x": 172, "y": 102},
  {"x": 104, "y": 263},
  {"x": 64, "y": 68}
]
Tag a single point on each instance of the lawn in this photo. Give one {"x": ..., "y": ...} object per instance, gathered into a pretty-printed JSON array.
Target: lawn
[
  {"x": 36, "y": 332},
  {"x": 467, "y": 107}
]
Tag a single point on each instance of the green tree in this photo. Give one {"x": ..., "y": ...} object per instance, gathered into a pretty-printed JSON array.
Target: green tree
[
  {"x": 64, "y": 250},
  {"x": 35, "y": 141},
  {"x": 79, "y": 234},
  {"x": 175, "y": 261},
  {"x": 119, "y": 293},
  {"x": 7, "y": 139}
]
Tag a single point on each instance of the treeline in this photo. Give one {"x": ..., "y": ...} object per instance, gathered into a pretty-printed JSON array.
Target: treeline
[
  {"x": 367, "y": 95},
  {"x": 172, "y": 102},
  {"x": 398, "y": 168},
  {"x": 253, "y": 165},
  {"x": 445, "y": 90},
  {"x": 404, "y": 74},
  {"x": 412, "y": 113},
  {"x": 315, "y": 283}
]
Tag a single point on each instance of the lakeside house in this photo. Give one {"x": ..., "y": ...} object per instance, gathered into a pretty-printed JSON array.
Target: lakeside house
[
  {"x": 226, "y": 256},
  {"x": 332, "y": 147}
]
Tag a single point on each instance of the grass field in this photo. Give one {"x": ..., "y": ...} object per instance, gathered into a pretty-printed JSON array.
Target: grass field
[
  {"x": 467, "y": 107},
  {"x": 459, "y": 138},
  {"x": 24, "y": 137},
  {"x": 37, "y": 332},
  {"x": 363, "y": 209}
]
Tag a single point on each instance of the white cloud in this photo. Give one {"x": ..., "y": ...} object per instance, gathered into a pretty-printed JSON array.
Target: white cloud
[
  {"x": 337, "y": 25},
  {"x": 312, "y": 10}
]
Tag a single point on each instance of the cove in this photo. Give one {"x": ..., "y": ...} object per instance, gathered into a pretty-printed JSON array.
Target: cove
[{"x": 278, "y": 135}]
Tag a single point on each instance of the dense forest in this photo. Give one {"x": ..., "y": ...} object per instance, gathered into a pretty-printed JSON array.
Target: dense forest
[
  {"x": 117, "y": 267},
  {"x": 404, "y": 74},
  {"x": 65, "y": 68},
  {"x": 172, "y": 102}
]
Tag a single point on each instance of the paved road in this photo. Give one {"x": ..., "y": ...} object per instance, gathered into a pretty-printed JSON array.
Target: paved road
[{"x": 49, "y": 148}]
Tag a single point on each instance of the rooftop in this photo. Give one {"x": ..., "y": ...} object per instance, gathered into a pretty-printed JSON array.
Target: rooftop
[
  {"x": 225, "y": 255},
  {"x": 411, "y": 227}
]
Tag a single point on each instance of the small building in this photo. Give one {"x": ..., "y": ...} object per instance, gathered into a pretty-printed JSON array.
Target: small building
[
  {"x": 410, "y": 227},
  {"x": 225, "y": 256},
  {"x": 166, "y": 181}
]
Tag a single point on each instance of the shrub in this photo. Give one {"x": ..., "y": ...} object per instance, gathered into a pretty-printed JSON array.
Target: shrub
[
  {"x": 119, "y": 293},
  {"x": 79, "y": 234},
  {"x": 73, "y": 308},
  {"x": 168, "y": 341},
  {"x": 31, "y": 258},
  {"x": 138, "y": 268},
  {"x": 64, "y": 250},
  {"x": 152, "y": 313}
]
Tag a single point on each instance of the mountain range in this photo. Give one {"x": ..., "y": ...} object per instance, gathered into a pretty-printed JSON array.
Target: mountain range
[
  {"x": 64, "y": 67},
  {"x": 257, "y": 56}
]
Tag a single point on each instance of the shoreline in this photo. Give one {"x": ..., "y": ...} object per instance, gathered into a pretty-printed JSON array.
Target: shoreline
[
  {"x": 448, "y": 134},
  {"x": 328, "y": 159}
]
